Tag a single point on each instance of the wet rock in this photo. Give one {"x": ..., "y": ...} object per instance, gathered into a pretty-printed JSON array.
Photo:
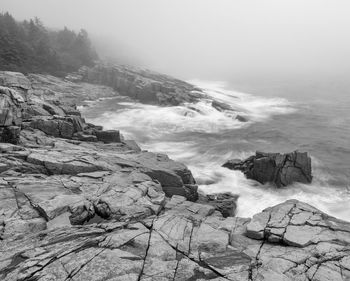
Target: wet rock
[
  {"x": 280, "y": 169},
  {"x": 10, "y": 134},
  {"x": 132, "y": 145},
  {"x": 108, "y": 136},
  {"x": 53, "y": 109},
  {"x": 225, "y": 203},
  {"x": 58, "y": 126},
  {"x": 221, "y": 106},
  {"x": 241, "y": 118},
  {"x": 187, "y": 191}
]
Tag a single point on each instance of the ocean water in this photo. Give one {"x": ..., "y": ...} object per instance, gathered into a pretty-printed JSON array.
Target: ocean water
[{"x": 204, "y": 138}]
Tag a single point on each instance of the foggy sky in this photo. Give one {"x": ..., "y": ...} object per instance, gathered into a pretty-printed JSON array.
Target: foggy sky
[{"x": 211, "y": 39}]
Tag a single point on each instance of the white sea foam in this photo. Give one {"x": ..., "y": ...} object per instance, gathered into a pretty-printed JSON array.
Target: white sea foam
[
  {"x": 257, "y": 108},
  {"x": 196, "y": 117}
]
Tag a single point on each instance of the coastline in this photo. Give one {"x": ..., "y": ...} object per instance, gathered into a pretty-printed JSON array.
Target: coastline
[{"x": 54, "y": 182}]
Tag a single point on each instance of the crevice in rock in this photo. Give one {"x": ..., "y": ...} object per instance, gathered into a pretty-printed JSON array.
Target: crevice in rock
[
  {"x": 199, "y": 262},
  {"x": 36, "y": 207},
  {"x": 146, "y": 253},
  {"x": 88, "y": 244},
  {"x": 77, "y": 270},
  {"x": 16, "y": 260},
  {"x": 177, "y": 264}
]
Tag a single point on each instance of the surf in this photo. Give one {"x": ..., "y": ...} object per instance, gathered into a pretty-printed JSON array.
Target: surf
[{"x": 203, "y": 137}]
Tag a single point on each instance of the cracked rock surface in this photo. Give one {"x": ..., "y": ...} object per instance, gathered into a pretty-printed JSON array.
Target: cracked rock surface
[{"x": 184, "y": 241}]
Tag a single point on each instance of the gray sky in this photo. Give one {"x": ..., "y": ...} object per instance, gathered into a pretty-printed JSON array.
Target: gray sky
[{"x": 212, "y": 39}]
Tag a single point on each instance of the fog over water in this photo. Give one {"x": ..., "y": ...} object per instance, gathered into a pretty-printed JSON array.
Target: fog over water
[
  {"x": 209, "y": 39},
  {"x": 284, "y": 65}
]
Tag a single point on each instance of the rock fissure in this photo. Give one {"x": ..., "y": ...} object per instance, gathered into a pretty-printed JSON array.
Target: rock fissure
[{"x": 199, "y": 262}]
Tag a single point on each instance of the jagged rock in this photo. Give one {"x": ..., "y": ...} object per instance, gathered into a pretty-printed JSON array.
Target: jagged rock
[
  {"x": 297, "y": 224},
  {"x": 59, "y": 157},
  {"x": 11, "y": 106},
  {"x": 132, "y": 145},
  {"x": 280, "y": 169},
  {"x": 35, "y": 110},
  {"x": 174, "y": 177},
  {"x": 187, "y": 191},
  {"x": 58, "y": 126},
  {"x": 48, "y": 126},
  {"x": 108, "y": 136},
  {"x": 53, "y": 109},
  {"x": 70, "y": 110},
  {"x": 221, "y": 106},
  {"x": 225, "y": 203}
]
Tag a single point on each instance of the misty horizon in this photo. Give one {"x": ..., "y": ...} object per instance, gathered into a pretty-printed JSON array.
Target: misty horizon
[{"x": 210, "y": 40}]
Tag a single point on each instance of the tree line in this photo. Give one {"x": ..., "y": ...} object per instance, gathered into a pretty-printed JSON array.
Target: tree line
[{"x": 29, "y": 47}]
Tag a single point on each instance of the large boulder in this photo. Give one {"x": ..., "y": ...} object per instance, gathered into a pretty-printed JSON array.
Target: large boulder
[
  {"x": 297, "y": 224},
  {"x": 280, "y": 169}
]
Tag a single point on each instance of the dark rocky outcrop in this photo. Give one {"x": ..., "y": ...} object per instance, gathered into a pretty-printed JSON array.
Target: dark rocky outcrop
[
  {"x": 143, "y": 85},
  {"x": 14, "y": 95},
  {"x": 280, "y": 169},
  {"x": 109, "y": 136}
]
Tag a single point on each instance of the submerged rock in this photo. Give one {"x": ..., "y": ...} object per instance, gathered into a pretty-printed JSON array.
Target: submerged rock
[{"x": 280, "y": 169}]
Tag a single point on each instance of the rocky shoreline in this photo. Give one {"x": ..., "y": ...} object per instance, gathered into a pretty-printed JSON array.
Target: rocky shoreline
[{"x": 81, "y": 203}]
